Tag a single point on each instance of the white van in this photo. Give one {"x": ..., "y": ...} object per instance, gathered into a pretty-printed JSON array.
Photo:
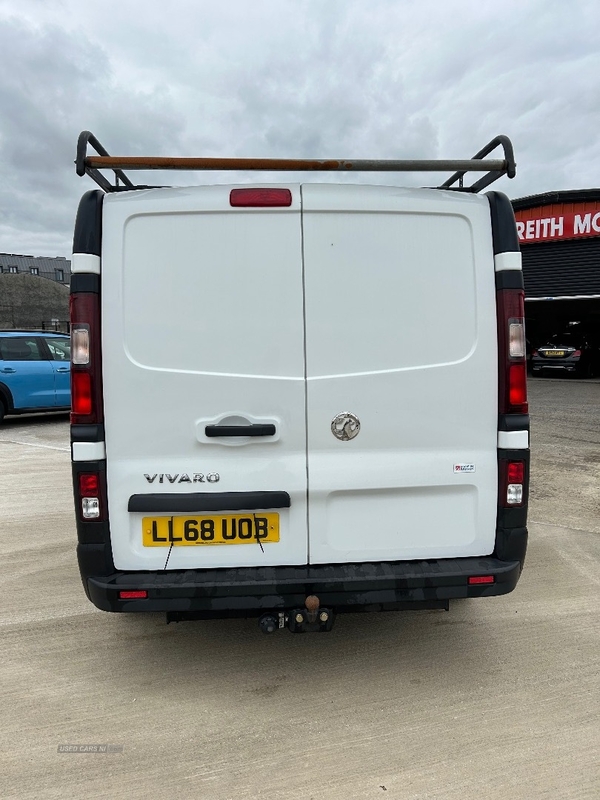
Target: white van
[{"x": 295, "y": 400}]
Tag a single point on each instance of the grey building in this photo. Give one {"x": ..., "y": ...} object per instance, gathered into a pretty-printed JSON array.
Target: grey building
[{"x": 55, "y": 269}]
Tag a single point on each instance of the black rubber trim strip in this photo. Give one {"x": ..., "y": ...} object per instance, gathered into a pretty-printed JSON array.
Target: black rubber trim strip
[
  {"x": 94, "y": 552},
  {"x": 240, "y": 430},
  {"x": 85, "y": 282},
  {"x": 171, "y": 503},
  {"x": 88, "y": 224},
  {"x": 336, "y": 585},
  {"x": 513, "y": 422},
  {"x": 87, "y": 433},
  {"x": 504, "y": 228},
  {"x": 511, "y": 544},
  {"x": 509, "y": 279}
]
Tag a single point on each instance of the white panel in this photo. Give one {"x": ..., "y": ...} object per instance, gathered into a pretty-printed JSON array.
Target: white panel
[
  {"x": 84, "y": 262},
  {"x": 88, "y": 451},
  {"x": 513, "y": 440},
  {"x": 400, "y": 331},
  {"x": 202, "y": 320},
  {"x": 386, "y": 524},
  {"x": 507, "y": 261},
  {"x": 387, "y": 291},
  {"x": 212, "y": 293}
]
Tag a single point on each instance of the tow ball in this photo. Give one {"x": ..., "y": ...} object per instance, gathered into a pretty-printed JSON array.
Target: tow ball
[{"x": 313, "y": 617}]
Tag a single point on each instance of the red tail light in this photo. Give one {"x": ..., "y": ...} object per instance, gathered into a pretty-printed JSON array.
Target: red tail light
[
  {"x": 256, "y": 198},
  {"x": 576, "y": 354},
  {"x": 512, "y": 364},
  {"x": 81, "y": 393},
  {"x": 140, "y": 594},
  {"x": 90, "y": 490},
  {"x": 89, "y": 484},
  {"x": 516, "y": 471},
  {"x": 517, "y": 385},
  {"x": 512, "y": 479},
  {"x": 86, "y": 369}
]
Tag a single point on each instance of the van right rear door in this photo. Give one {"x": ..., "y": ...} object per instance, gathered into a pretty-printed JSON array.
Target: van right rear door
[{"x": 401, "y": 333}]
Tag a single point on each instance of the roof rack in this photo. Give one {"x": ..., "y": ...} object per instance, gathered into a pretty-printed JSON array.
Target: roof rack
[{"x": 493, "y": 168}]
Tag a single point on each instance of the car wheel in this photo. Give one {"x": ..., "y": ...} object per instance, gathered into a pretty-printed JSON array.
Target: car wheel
[{"x": 2, "y": 411}]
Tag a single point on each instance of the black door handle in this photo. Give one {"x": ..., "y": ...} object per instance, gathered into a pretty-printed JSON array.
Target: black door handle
[{"x": 240, "y": 430}]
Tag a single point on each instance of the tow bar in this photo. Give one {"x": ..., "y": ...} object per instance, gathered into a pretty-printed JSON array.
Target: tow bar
[{"x": 299, "y": 620}]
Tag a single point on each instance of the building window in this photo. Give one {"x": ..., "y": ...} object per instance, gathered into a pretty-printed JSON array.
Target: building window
[
  {"x": 59, "y": 274},
  {"x": 13, "y": 269},
  {"x": 34, "y": 270}
]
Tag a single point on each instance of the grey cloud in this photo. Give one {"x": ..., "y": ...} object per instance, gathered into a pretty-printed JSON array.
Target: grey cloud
[
  {"x": 290, "y": 78},
  {"x": 61, "y": 83}
]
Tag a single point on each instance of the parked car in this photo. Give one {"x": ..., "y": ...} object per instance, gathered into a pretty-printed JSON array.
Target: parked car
[
  {"x": 35, "y": 372},
  {"x": 569, "y": 352}
]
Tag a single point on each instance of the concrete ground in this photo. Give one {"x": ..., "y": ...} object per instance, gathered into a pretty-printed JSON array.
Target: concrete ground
[{"x": 499, "y": 698}]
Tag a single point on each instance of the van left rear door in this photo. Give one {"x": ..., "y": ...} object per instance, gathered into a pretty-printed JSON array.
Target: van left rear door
[{"x": 203, "y": 336}]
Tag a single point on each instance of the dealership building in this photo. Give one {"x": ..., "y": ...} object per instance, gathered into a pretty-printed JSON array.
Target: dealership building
[{"x": 559, "y": 233}]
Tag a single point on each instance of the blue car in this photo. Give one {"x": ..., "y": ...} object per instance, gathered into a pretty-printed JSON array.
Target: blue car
[{"x": 35, "y": 372}]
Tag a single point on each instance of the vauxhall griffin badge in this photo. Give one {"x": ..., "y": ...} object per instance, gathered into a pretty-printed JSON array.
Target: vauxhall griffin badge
[{"x": 345, "y": 426}]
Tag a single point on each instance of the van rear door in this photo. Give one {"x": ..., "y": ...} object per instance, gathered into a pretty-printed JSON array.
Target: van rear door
[
  {"x": 202, "y": 330},
  {"x": 401, "y": 333}
]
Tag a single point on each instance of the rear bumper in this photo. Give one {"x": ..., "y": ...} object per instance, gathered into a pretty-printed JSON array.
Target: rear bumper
[
  {"x": 343, "y": 587},
  {"x": 566, "y": 366}
]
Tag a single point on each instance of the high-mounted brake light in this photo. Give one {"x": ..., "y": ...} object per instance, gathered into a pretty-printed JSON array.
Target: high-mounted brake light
[{"x": 257, "y": 198}]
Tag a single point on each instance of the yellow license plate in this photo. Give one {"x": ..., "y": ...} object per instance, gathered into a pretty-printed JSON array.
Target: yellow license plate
[
  {"x": 226, "y": 529},
  {"x": 555, "y": 353}
]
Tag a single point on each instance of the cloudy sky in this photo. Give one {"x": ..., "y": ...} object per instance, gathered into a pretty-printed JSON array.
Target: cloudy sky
[{"x": 296, "y": 78}]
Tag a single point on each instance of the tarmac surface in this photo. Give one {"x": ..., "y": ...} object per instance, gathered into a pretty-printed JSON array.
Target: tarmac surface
[{"x": 497, "y": 698}]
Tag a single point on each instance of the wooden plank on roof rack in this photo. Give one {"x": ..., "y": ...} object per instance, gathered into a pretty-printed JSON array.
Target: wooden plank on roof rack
[{"x": 287, "y": 164}]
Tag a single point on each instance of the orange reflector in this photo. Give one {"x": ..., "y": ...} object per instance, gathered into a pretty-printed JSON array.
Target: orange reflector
[
  {"x": 81, "y": 392},
  {"x": 256, "y": 198},
  {"x": 89, "y": 485},
  {"x": 477, "y": 579},
  {"x": 141, "y": 594}
]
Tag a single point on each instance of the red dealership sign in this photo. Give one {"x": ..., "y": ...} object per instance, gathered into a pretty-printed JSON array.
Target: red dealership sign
[{"x": 558, "y": 221}]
